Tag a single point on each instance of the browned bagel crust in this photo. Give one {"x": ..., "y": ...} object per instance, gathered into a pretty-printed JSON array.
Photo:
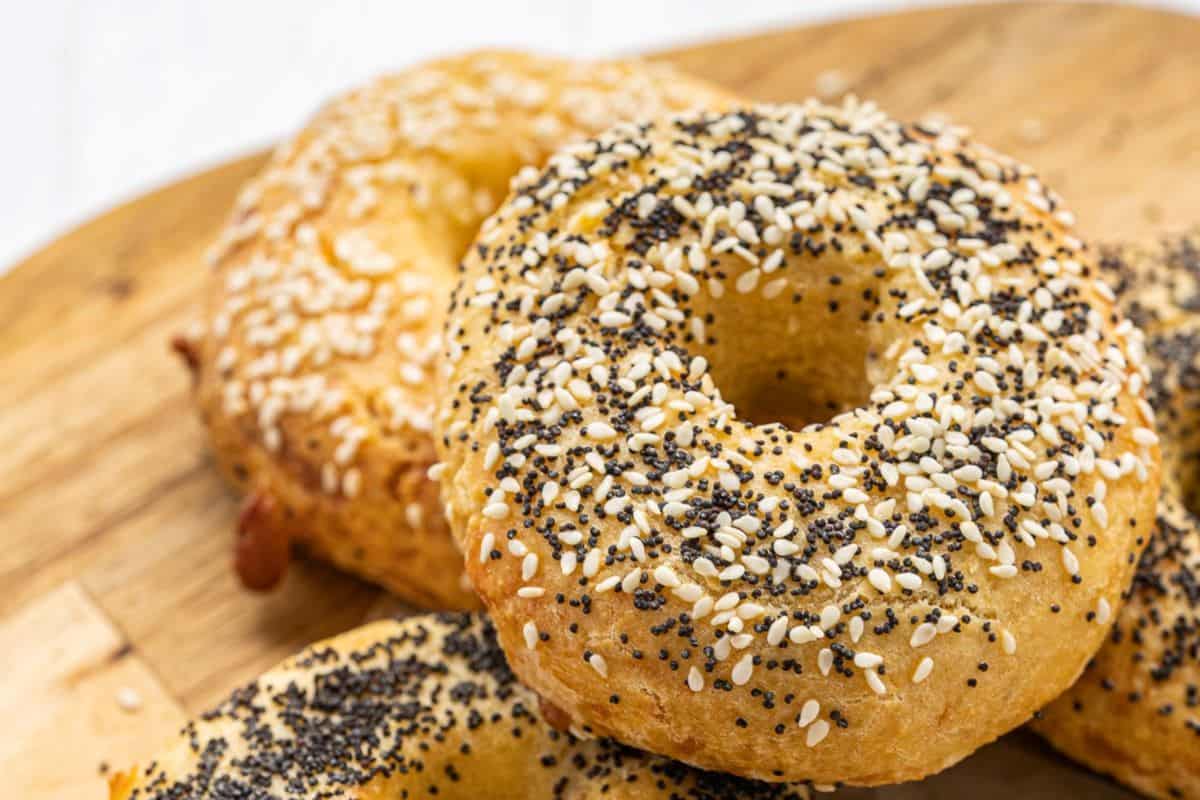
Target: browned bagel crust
[
  {"x": 867, "y": 599},
  {"x": 313, "y": 363},
  {"x": 1135, "y": 712},
  {"x": 420, "y": 708}
]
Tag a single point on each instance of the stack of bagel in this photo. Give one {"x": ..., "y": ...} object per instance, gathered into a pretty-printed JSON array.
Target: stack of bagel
[{"x": 742, "y": 450}]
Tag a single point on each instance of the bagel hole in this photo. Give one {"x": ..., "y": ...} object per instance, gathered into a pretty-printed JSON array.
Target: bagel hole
[
  {"x": 805, "y": 354},
  {"x": 793, "y": 395},
  {"x": 795, "y": 363}
]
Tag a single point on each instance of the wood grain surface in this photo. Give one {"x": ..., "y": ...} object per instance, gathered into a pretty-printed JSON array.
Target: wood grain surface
[{"x": 115, "y": 530}]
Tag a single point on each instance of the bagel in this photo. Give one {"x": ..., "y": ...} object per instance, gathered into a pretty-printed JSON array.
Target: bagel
[
  {"x": 426, "y": 707},
  {"x": 793, "y": 442},
  {"x": 1135, "y": 712},
  {"x": 313, "y": 360}
]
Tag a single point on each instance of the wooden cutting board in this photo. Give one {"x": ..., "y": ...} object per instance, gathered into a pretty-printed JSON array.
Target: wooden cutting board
[{"x": 115, "y": 531}]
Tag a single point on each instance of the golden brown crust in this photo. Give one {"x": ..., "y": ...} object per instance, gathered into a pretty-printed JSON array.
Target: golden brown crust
[
  {"x": 867, "y": 599},
  {"x": 420, "y": 708},
  {"x": 314, "y": 366},
  {"x": 1135, "y": 712}
]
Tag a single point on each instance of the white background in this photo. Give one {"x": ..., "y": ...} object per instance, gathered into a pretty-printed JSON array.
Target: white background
[{"x": 104, "y": 99}]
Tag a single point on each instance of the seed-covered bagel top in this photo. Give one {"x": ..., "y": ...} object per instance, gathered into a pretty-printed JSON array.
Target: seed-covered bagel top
[
  {"x": 420, "y": 708},
  {"x": 1135, "y": 712},
  {"x": 867, "y": 598},
  {"x": 330, "y": 282}
]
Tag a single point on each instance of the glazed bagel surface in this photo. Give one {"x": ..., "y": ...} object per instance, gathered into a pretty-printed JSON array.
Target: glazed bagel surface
[
  {"x": 425, "y": 707},
  {"x": 314, "y": 362},
  {"x": 1135, "y": 712},
  {"x": 793, "y": 442}
]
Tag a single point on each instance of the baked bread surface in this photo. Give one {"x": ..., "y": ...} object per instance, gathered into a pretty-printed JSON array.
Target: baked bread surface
[
  {"x": 1135, "y": 712},
  {"x": 314, "y": 362},
  {"x": 794, "y": 441},
  {"x": 420, "y": 708}
]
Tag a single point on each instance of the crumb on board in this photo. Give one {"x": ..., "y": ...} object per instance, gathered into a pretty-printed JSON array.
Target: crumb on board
[
  {"x": 129, "y": 699},
  {"x": 1032, "y": 130},
  {"x": 831, "y": 84}
]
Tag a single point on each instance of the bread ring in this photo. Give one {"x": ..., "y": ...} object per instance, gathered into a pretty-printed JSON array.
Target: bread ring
[
  {"x": 420, "y": 708},
  {"x": 329, "y": 284},
  {"x": 1135, "y": 713},
  {"x": 867, "y": 599}
]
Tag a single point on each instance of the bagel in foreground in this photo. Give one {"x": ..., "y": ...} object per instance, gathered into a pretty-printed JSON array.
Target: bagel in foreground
[
  {"x": 1135, "y": 712},
  {"x": 793, "y": 442},
  {"x": 313, "y": 365},
  {"x": 425, "y": 707}
]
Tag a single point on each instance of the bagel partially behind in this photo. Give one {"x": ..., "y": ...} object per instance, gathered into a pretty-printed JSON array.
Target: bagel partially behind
[
  {"x": 1135, "y": 713},
  {"x": 865, "y": 600},
  {"x": 313, "y": 365},
  {"x": 426, "y": 707}
]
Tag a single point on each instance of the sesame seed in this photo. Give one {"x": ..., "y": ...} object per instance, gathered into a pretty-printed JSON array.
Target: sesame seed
[
  {"x": 601, "y": 431},
  {"x": 817, "y": 732},
  {"x": 129, "y": 699},
  {"x": 598, "y": 663},
  {"x": 865, "y": 660},
  {"x": 808, "y": 713},
  {"x": 923, "y": 635}
]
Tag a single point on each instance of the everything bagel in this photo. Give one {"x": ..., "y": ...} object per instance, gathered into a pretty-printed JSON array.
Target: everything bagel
[
  {"x": 426, "y": 707},
  {"x": 793, "y": 442},
  {"x": 313, "y": 365},
  {"x": 1135, "y": 712}
]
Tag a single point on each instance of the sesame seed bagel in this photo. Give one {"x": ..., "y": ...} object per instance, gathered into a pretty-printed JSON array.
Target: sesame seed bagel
[
  {"x": 793, "y": 442},
  {"x": 329, "y": 284},
  {"x": 1135, "y": 712},
  {"x": 420, "y": 708}
]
